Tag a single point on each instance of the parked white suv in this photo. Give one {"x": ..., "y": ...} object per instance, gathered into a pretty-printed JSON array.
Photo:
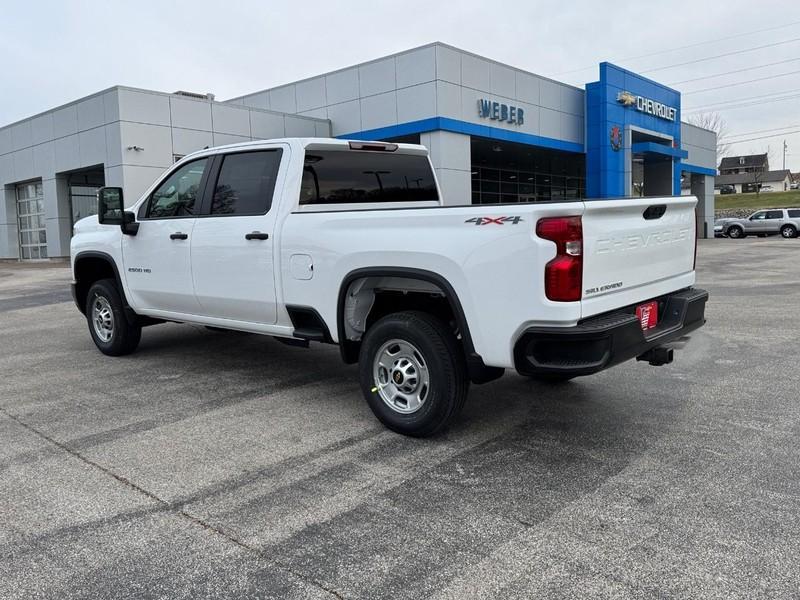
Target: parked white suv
[{"x": 348, "y": 243}]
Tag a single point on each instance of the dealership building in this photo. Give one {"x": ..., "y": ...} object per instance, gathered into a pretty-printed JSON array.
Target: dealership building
[{"x": 496, "y": 134}]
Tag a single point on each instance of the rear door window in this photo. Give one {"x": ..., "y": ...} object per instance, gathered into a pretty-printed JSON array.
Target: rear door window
[
  {"x": 774, "y": 214},
  {"x": 347, "y": 176},
  {"x": 245, "y": 183}
]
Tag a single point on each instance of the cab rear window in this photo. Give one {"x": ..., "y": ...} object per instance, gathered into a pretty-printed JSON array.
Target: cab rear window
[{"x": 346, "y": 177}]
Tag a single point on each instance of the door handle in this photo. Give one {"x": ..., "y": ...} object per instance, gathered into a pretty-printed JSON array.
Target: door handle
[
  {"x": 256, "y": 235},
  {"x": 178, "y": 236}
]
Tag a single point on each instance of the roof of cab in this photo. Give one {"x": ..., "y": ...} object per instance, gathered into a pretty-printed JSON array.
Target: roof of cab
[{"x": 317, "y": 143}]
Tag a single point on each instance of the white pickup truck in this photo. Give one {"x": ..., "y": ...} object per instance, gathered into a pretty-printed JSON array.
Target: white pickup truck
[{"x": 348, "y": 243}]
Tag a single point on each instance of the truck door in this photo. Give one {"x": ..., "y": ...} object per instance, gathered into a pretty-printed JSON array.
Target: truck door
[
  {"x": 232, "y": 245},
  {"x": 157, "y": 258}
]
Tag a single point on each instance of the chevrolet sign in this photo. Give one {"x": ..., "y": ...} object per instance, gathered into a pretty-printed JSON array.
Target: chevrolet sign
[{"x": 648, "y": 106}]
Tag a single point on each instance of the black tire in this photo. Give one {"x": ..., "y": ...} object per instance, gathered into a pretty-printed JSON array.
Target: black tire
[
  {"x": 442, "y": 357},
  {"x": 788, "y": 231},
  {"x": 551, "y": 378},
  {"x": 123, "y": 338},
  {"x": 735, "y": 232}
]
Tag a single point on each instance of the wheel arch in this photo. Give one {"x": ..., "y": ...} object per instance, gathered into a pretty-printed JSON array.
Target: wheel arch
[
  {"x": 349, "y": 349},
  {"x": 90, "y": 266}
]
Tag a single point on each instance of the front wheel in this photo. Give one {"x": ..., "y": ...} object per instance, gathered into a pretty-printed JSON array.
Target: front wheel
[
  {"x": 413, "y": 373},
  {"x": 788, "y": 231},
  {"x": 105, "y": 313},
  {"x": 735, "y": 232}
]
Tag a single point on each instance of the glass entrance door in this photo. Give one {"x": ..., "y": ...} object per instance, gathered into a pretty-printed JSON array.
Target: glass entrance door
[
  {"x": 83, "y": 200},
  {"x": 30, "y": 218}
]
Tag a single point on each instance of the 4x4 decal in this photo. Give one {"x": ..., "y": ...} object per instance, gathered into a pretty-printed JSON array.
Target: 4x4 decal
[{"x": 494, "y": 220}]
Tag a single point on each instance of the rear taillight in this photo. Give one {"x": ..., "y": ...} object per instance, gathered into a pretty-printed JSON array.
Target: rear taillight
[{"x": 563, "y": 276}]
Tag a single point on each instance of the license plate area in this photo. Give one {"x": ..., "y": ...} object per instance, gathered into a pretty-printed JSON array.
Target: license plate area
[{"x": 647, "y": 314}]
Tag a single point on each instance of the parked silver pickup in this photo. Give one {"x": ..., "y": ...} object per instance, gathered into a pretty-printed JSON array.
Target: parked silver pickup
[{"x": 774, "y": 221}]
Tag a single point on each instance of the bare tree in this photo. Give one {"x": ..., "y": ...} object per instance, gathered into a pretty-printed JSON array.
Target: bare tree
[
  {"x": 714, "y": 122},
  {"x": 757, "y": 177}
]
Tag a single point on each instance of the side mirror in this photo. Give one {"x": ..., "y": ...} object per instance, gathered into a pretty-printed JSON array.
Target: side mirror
[
  {"x": 110, "y": 206},
  {"x": 111, "y": 210},
  {"x": 129, "y": 225}
]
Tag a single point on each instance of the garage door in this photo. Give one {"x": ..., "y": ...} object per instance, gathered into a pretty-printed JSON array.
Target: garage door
[{"x": 30, "y": 214}]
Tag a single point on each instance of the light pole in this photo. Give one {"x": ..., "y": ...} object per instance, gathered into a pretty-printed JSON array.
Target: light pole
[{"x": 784, "y": 154}]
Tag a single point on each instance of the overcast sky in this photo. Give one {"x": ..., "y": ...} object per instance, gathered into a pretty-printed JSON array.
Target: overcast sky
[{"x": 54, "y": 52}]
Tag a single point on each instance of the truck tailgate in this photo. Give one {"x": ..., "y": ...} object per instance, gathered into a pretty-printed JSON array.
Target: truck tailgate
[{"x": 636, "y": 249}]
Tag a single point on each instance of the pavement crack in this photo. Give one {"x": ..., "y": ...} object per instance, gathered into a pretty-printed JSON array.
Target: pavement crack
[
  {"x": 124, "y": 480},
  {"x": 167, "y": 506}
]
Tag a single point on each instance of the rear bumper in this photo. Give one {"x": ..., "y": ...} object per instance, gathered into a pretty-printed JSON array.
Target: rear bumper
[{"x": 606, "y": 340}]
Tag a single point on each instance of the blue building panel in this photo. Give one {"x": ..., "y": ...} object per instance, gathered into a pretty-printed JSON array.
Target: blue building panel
[
  {"x": 458, "y": 126},
  {"x": 631, "y": 103},
  {"x": 697, "y": 169}
]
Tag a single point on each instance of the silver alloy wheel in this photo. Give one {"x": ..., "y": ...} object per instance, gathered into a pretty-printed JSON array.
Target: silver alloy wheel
[
  {"x": 102, "y": 318},
  {"x": 787, "y": 232},
  {"x": 734, "y": 232},
  {"x": 401, "y": 376}
]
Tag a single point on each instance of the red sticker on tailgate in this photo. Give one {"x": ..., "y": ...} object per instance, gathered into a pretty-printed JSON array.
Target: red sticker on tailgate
[{"x": 647, "y": 314}]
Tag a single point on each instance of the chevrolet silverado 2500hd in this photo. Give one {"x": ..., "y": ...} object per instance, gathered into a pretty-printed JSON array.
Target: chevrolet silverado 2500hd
[{"x": 348, "y": 243}]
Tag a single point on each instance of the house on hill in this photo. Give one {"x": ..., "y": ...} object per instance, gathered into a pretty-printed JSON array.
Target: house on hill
[{"x": 748, "y": 173}]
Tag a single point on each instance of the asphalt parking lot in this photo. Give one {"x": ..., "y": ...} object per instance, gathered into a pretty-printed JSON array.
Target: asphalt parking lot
[{"x": 223, "y": 465}]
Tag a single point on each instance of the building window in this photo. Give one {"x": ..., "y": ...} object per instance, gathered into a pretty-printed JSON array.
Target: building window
[
  {"x": 30, "y": 216},
  {"x": 507, "y": 172},
  {"x": 494, "y": 186}
]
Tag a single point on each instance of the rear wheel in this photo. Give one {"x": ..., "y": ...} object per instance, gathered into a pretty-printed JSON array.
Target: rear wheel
[
  {"x": 413, "y": 373},
  {"x": 105, "y": 313},
  {"x": 788, "y": 231},
  {"x": 735, "y": 232}
]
